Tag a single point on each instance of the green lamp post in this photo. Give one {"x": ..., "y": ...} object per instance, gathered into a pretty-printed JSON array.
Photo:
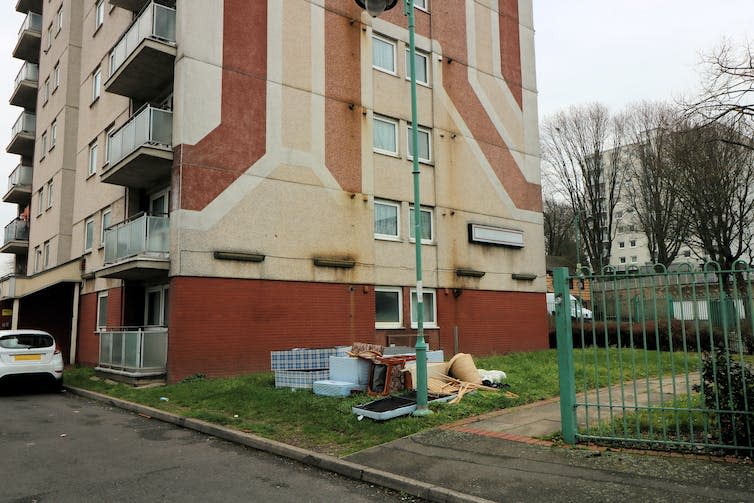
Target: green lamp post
[{"x": 375, "y": 8}]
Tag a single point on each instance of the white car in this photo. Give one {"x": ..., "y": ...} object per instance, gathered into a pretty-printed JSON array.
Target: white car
[
  {"x": 577, "y": 310},
  {"x": 30, "y": 354}
]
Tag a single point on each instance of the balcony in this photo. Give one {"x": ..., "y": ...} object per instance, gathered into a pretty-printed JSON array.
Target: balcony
[
  {"x": 140, "y": 153},
  {"x": 142, "y": 62},
  {"x": 134, "y": 352},
  {"x": 137, "y": 249},
  {"x": 132, "y": 5},
  {"x": 23, "y": 134},
  {"x": 19, "y": 185},
  {"x": 29, "y": 38},
  {"x": 25, "y": 87},
  {"x": 24, "y": 6},
  {"x": 16, "y": 237}
]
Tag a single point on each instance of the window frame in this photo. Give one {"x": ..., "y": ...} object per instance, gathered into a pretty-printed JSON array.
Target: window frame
[
  {"x": 394, "y": 45},
  {"x": 424, "y": 7},
  {"x": 46, "y": 255},
  {"x": 59, "y": 20},
  {"x": 388, "y": 237},
  {"x": 46, "y": 91},
  {"x": 427, "y": 324},
  {"x": 99, "y": 15},
  {"x": 50, "y": 195},
  {"x": 37, "y": 258},
  {"x": 421, "y": 130},
  {"x": 632, "y": 243},
  {"x": 96, "y": 84},
  {"x": 53, "y": 134},
  {"x": 40, "y": 200},
  {"x": 99, "y": 326},
  {"x": 88, "y": 239},
  {"x": 91, "y": 168},
  {"x": 389, "y": 324},
  {"x": 43, "y": 145},
  {"x": 385, "y": 120},
  {"x": 56, "y": 77},
  {"x": 431, "y": 212},
  {"x": 423, "y": 54},
  {"x": 103, "y": 226}
]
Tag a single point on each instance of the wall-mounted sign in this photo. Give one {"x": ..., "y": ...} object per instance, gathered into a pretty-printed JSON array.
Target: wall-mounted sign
[
  {"x": 7, "y": 312},
  {"x": 487, "y": 234}
]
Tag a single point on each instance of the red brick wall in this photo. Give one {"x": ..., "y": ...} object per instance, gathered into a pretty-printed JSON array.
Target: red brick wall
[{"x": 229, "y": 326}]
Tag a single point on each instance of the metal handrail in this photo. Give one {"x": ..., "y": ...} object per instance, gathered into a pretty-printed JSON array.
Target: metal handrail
[
  {"x": 28, "y": 71},
  {"x": 32, "y": 22},
  {"x": 149, "y": 125},
  {"x": 155, "y": 21}
]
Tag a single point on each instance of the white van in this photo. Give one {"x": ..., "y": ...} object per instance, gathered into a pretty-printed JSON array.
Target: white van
[{"x": 577, "y": 310}]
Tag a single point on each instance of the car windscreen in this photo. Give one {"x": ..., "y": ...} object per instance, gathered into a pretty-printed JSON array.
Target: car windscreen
[{"x": 26, "y": 341}]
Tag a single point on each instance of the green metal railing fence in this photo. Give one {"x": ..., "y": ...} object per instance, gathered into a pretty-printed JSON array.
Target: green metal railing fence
[{"x": 664, "y": 362}]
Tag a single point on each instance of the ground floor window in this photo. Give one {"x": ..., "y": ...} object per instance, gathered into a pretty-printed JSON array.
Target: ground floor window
[
  {"x": 430, "y": 308},
  {"x": 388, "y": 307},
  {"x": 101, "y": 310},
  {"x": 156, "y": 306}
]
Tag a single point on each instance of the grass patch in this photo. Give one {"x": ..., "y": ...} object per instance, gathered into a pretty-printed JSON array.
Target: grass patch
[{"x": 251, "y": 403}]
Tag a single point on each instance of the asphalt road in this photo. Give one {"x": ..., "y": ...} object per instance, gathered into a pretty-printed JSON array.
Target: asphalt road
[{"x": 62, "y": 448}]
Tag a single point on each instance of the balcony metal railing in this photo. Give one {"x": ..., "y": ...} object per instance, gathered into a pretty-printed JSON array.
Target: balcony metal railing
[
  {"x": 33, "y": 22},
  {"x": 26, "y": 123},
  {"x": 29, "y": 71},
  {"x": 21, "y": 176},
  {"x": 143, "y": 235},
  {"x": 150, "y": 126},
  {"x": 137, "y": 350},
  {"x": 17, "y": 230},
  {"x": 155, "y": 22}
]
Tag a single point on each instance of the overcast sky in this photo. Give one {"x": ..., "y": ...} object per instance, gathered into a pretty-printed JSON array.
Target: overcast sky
[{"x": 612, "y": 51}]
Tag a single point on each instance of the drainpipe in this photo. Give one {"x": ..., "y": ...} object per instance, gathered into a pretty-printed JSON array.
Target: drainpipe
[{"x": 74, "y": 324}]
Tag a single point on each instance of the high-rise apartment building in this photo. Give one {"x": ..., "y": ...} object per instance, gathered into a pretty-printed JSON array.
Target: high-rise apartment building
[{"x": 202, "y": 182}]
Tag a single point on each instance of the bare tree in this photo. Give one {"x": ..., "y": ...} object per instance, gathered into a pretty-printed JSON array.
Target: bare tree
[
  {"x": 727, "y": 92},
  {"x": 559, "y": 229},
  {"x": 581, "y": 152},
  {"x": 649, "y": 190},
  {"x": 715, "y": 181}
]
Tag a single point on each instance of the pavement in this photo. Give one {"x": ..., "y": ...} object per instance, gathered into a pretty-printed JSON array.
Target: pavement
[{"x": 501, "y": 457}]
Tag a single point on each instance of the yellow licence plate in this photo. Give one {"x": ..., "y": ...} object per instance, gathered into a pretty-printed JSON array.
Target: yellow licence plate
[{"x": 26, "y": 358}]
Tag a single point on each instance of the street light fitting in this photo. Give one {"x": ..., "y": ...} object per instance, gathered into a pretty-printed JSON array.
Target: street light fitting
[{"x": 376, "y": 7}]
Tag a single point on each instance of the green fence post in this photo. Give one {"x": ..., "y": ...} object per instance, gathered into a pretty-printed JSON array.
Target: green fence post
[{"x": 565, "y": 355}]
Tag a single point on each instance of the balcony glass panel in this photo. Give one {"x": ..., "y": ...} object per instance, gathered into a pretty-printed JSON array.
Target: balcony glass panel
[
  {"x": 17, "y": 230},
  {"x": 26, "y": 123},
  {"x": 151, "y": 126},
  {"x": 33, "y": 22},
  {"x": 156, "y": 22},
  {"x": 20, "y": 176},
  {"x": 143, "y": 235},
  {"x": 134, "y": 349},
  {"x": 29, "y": 71}
]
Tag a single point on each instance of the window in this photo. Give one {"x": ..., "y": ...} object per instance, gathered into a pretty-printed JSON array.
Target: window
[
  {"x": 422, "y": 67},
  {"x": 426, "y": 225},
  {"x": 420, "y": 4},
  {"x": 37, "y": 258},
  {"x": 59, "y": 20},
  {"x": 106, "y": 219},
  {"x": 107, "y": 144},
  {"x": 49, "y": 194},
  {"x": 53, "y": 134},
  {"x": 40, "y": 200},
  {"x": 49, "y": 37},
  {"x": 92, "y": 168},
  {"x": 43, "y": 145},
  {"x": 633, "y": 243},
  {"x": 46, "y": 261},
  {"x": 623, "y": 260},
  {"x": 386, "y": 221},
  {"x": 621, "y": 244},
  {"x": 686, "y": 253},
  {"x": 425, "y": 144},
  {"x": 46, "y": 91},
  {"x": 634, "y": 259},
  {"x": 101, "y": 310},
  {"x": 99, "y": 14},
  {"x": 156, "y": 306},
  {"x": 383, "y": 54},
  {"x": 388, "y": 307},
  {"x": 56, "y": 76},
  {"x": 96, "y": 83},
  {"x": 430, "y": 310},
  {"x": 88, "y": 234},
  {"x": 385, "y": 135}
]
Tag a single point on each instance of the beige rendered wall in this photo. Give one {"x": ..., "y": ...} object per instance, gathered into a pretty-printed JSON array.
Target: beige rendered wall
[{"x": 289, "y": 206}]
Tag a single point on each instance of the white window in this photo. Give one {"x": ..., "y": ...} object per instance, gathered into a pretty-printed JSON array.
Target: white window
[
  {"x": 92, "y": 167},
  {"x": 99, "y": 14},
  {"x": 53, "y": 134},
  {"x": 59, "y": 20},
  {"x": 634, "y": 259},
  {"x": 621, "y": 244},
  {"x": 88, "y": 234},
  {"x": 106, "y": 219},
  {"x": 43, "y": 145},
  {"x": 101, "y": 310},
  {"x": 386, "y": 220},
  {"x": 40, "y": 200},
  {"x": 633, "y": 243},
  {"x": 426, "y": 225},
  {"x": 422, "y": 67},
  {"x": 623, "y": 260},
  {"x": 388, "y": 307},
  {"x": 383, "y": 54},
  {"x": 107, "y": 145},
  {"x": 425, "y": 144},
  {"x": 96, "y": 83},
  {"x": 37, "y": 258},
  {"x": 46, "y": 261},
  {"x": 156, "y": 306},
  {"x": 430, "y": 309},
  {"x": 49, "y": 37},
  {"x": 56, "y": 76},
  {"x": 46, "y": 91},
  {"x": 50, "y": 186},
  {"x": 420, "y": 4},
  {"x": 385, "y": 135}
]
